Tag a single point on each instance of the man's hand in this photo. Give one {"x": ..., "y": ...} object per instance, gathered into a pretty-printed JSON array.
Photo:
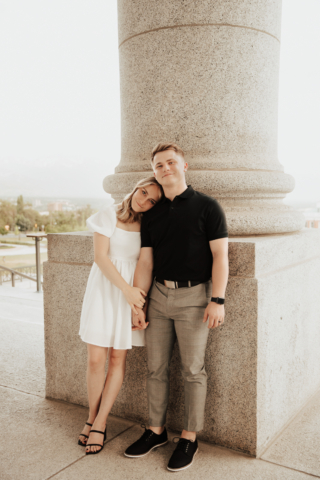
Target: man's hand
[
  {"x": 139, "y": 320},
  {"x": 215, "y": 314}
]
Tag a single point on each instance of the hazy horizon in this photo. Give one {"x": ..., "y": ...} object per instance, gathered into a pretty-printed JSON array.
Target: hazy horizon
[{"x": 60, "y": 99}]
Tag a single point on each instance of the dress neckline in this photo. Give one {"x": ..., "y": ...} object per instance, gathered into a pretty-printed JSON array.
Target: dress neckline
[{"x": 123, "y": 230}]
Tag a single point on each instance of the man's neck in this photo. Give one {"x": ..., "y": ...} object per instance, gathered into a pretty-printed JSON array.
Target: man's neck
[{"x": 171, "y": 192}]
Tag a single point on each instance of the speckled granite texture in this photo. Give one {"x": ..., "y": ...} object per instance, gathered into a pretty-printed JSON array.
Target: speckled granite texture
[
  {"x": 205, "y": 75},
  {"x": 262, "y": 365}
]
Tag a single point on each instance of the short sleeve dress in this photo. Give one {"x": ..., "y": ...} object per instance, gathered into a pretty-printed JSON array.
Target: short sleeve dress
[{"x": 106, "y": 315}]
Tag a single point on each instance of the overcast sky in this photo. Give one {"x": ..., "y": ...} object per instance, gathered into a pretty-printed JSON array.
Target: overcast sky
[{"x": 60, "y": 105}]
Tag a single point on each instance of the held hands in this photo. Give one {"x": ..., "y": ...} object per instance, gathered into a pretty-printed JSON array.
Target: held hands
[
  {"x": 139, "y": 320},
  {"x": 215, "y": 314},
  {"x": 135, "y": 297}
]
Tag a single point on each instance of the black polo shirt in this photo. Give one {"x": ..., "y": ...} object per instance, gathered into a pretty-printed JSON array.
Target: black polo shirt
[{"x": 179, "y": 233}]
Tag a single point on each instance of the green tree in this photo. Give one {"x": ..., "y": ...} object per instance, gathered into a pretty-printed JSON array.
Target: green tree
[
  {"x": 83, "y": 214},
  {"x": 20, "y": 205},
  {"x": 25, "y": 217},
  {"x": 24, "y": 223},
  {"x": 33, "y": 216},
  {"x": 8, "y": 213}
]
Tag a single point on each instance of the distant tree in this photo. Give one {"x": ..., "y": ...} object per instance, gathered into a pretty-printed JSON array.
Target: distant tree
[
  {"x": 83, "y": 214},
  {"x": 8, "y": 213},
  {"x": 24, "y": 223},
  {"x": 24, "y": 218},
  {"x": 57, "y": 222},
  {"x": 33, "y": 216},
  {"x": 20, "y": 205}
]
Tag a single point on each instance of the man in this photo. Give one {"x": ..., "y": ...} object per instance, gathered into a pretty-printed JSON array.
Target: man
[{"x": 183, "y": 245}]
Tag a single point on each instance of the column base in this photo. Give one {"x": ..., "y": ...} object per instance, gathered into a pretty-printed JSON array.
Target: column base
[{"x": 252, "y": 200}]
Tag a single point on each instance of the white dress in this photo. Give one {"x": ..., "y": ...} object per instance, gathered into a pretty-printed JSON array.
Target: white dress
[{"x": 106, "y": 315}]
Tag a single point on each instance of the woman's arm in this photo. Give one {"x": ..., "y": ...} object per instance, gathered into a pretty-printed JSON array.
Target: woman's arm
[
  {"x": 143, "y": 278},
  {"x": 134, "y": 295}
]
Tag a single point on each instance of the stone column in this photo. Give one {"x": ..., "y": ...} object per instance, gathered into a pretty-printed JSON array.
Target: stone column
[{"x": 205, "y": 74}]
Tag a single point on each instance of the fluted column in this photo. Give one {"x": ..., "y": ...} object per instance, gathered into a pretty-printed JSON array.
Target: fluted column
[{"x": 205, "y": 75}]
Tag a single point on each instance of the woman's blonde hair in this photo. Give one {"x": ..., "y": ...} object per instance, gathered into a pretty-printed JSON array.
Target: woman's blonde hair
[{"x": 125, "y": 212}]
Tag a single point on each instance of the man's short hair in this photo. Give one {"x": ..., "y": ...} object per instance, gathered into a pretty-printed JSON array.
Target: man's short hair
[{"x": 162, "y": 147}]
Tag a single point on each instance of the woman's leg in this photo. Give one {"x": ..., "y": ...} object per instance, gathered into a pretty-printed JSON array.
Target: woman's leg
[
  {"x": 97, "y": 357},
  {"x": 114, "y": 380}
]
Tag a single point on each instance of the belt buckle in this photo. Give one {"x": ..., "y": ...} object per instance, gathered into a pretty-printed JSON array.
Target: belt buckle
[{"x": 170, "y": 284}]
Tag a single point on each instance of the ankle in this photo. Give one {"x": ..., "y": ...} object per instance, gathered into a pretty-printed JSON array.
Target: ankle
[
  {"x": 188, "y": 435},
  {"x": 157, "y": 430},
  {"x": 100, "y": 423},
  {"x": 91, "y": 418}
]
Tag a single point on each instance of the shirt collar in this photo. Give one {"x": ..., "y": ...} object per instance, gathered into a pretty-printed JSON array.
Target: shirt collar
[{"x": 187, "y": 193}]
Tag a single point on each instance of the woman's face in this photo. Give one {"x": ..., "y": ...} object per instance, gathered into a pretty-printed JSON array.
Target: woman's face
[{"x": 145, "y": 198}]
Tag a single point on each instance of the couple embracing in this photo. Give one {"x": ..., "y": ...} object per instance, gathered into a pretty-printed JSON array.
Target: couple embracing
[{"x": 159, "y": 275}]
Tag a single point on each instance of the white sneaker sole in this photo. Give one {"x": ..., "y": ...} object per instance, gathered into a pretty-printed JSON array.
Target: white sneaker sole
[
  {"x": 144, "y": 454},
  {"x": 183, "y": 468}
]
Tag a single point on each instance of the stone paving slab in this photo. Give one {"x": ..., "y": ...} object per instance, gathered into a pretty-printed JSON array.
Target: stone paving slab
[
  {"x": 22, "y": 356},
  {"x": 210, "y": 463},
  {"x": 24, "y": 290},
  {"x": 39, "y": 436},
  {"x": 21, "y": 309},
  {"x": 298, "y": 446}
]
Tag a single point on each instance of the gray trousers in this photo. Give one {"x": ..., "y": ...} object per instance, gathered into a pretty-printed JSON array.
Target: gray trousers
[{"x": 177, "y": 314}]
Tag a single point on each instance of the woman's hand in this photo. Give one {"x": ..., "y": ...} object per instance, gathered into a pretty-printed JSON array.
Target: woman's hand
[
  {"x": 139, "y": 321},
  {"x": 135, "y": 297}
]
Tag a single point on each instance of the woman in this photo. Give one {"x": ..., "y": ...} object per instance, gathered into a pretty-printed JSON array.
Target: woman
[{"x": 109, "y": 298}]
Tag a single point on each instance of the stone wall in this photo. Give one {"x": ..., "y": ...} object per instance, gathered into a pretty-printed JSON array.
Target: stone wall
[{"x": 262, "y": 365}]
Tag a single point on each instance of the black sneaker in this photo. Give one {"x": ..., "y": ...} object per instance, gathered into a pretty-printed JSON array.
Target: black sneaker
[
  {"x": 183, "y": 455},
  {"x": 147, "y": 442}
]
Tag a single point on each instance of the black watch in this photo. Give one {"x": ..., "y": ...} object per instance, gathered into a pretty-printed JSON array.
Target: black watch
[{"x": 218, "y": 300}]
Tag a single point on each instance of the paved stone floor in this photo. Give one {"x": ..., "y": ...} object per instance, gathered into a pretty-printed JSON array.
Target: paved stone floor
[{"x": 39, "y": 436}]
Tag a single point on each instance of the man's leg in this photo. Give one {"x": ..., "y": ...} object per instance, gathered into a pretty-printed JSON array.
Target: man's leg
[
  {"x": 160, "y": 338},
  {"x": 192, "y": 335}
]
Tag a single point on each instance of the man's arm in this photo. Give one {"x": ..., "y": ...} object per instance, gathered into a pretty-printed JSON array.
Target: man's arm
[
  {"x": 143, "y": 276},
  {"x": 220, "y": 270}
]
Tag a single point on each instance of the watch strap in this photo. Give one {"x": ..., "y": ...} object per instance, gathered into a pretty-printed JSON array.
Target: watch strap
[{"x": 218, "y": 300}]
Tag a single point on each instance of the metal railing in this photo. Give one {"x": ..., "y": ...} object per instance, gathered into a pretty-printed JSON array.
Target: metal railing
[
  {"x": 38, "y": 236},
  {"x": 15, "y": 272}
]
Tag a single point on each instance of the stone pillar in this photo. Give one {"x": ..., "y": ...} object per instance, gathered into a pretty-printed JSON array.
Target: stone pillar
[
  {"x": 262, "y": 365},
  {"x": 205, "y": 75}
]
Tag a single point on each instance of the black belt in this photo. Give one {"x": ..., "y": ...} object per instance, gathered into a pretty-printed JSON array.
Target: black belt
[{"x": 172, "y": 284}]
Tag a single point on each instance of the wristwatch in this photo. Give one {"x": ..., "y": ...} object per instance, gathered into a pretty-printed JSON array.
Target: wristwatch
[{"x": 218, "y": 300}]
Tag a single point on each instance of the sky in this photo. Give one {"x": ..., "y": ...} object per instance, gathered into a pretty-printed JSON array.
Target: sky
[{"x": 60, "y": 98}]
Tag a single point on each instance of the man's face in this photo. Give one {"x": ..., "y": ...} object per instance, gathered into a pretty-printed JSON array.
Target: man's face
[{"x": 169, "y": 168}]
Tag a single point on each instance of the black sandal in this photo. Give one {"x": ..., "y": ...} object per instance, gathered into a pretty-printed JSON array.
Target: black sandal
[
  {"x": 97, "y": 444},
  {"x": 83, "y": 435}
]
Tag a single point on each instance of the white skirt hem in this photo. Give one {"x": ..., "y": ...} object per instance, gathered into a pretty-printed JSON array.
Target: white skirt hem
[{"x": 110, "y": 346}]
